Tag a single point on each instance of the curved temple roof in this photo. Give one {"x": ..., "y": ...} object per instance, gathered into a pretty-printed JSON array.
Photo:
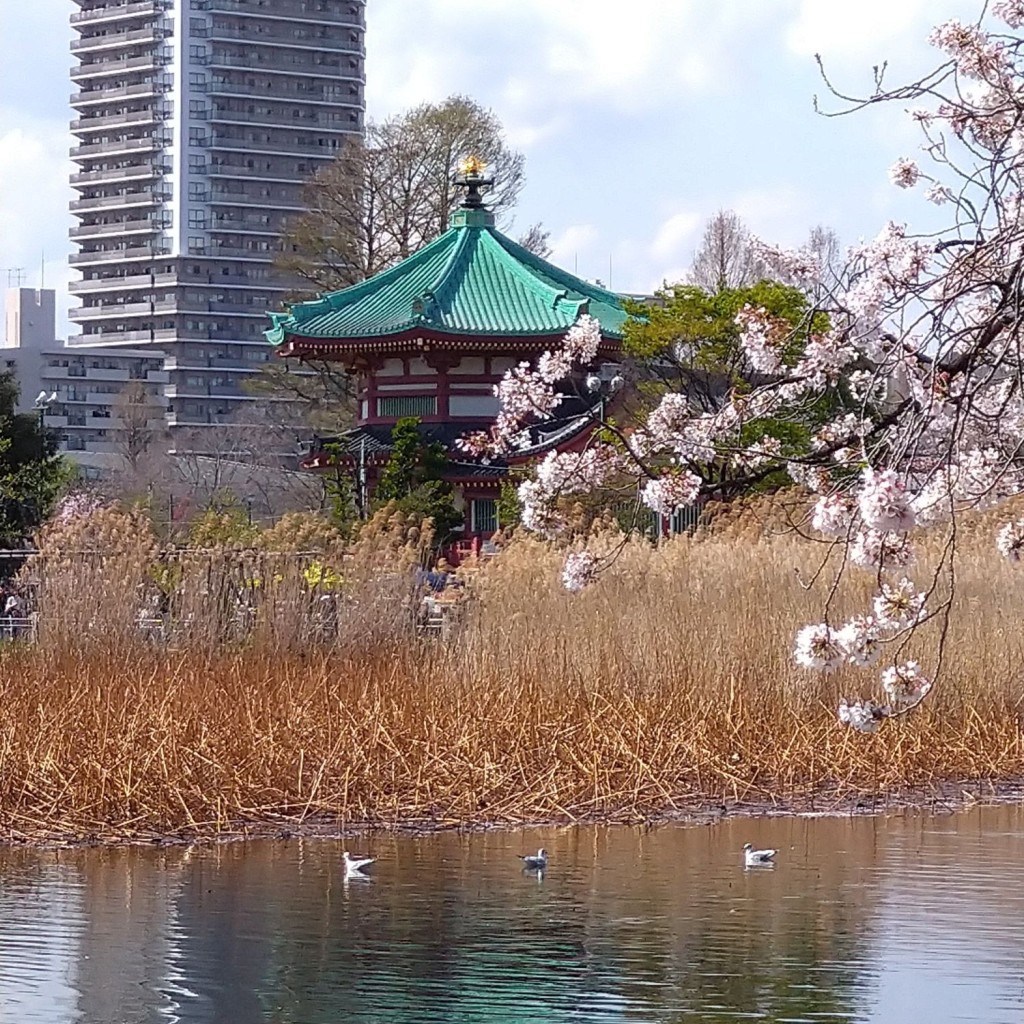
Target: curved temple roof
[{"x": 471, "y": 281}]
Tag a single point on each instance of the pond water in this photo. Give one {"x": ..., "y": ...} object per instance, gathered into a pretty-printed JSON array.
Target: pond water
[{"x": 898, "y": 919}]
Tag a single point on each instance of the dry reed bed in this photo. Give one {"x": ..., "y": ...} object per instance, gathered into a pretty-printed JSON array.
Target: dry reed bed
[{"x": 668, "y": 686}]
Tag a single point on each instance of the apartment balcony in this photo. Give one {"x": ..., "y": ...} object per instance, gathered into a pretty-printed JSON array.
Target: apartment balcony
[
  {"x": 279, "y": 176},
  {"x": 99, "y": 68},
  {"x": 86, "y": 259},
  {"x": 88, "y": 373},
  {"x": 115, "y": 147},
  {"x": 215, "y": 279},
  {"x": 203, "y": 419},
  {"x": 228, "y": 391},
  {"x": 283, "y": 148},
  {"x": 283, "y": 40},
  {"x": 82, "y": 125},
  {"x": 137, "y": 90},
  {"x": 239, "y": 253},
  {"x": 248, "y": 202},
  {"x": 123, "y": 337},
  {"x": 221, "y": 365},
  {"x": 325, "y": 98},
  {"x": 283, "y": 118},
  {"x": 115, "y": 175},
  {"x": 237, "y": 227},
  {"x": 104, "y": 15},
  {"x": 90, "y": 286},
  {"x": 117, "y": 310},
  {"x": 186, "y": 307},
  {"x": 283, "y": 11},
  {"x": 331, "y": 71},
  {"x": 116, "y": 229},
  {"x": 131, "y": 200},
  {"x": 118, "y": 40}
]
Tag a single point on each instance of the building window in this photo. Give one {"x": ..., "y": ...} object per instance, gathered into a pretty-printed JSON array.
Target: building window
[
  {"x": 397, "y": 406},
  {"x": 483, "y": 515}
]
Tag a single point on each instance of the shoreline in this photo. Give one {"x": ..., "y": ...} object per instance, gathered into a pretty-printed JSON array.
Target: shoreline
[{"x": 950, "y": 797}]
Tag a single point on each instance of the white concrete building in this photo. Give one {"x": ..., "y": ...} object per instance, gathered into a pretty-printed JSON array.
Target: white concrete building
[
  {"x": 198, "y": 121},
  {"x": 87, "y": 382}
]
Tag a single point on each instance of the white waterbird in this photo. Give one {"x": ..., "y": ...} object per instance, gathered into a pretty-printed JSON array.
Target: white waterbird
[
  {"x": 535, "y": 861},
  {"x": 753, "y": 858},
  {"x": 355, "y": 865}
]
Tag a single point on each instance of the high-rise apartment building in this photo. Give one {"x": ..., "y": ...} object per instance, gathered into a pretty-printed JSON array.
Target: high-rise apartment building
[{"x": 198, "y": 121}]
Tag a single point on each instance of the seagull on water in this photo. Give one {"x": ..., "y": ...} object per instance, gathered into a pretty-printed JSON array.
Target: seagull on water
[
  {"x": 355, "y": 865},
  {"x": 535, "y": 861},
  {"x": 756, "y": 858}
]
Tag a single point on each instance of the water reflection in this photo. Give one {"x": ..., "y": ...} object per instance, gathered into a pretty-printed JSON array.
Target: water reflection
[{"x": 887, "y": 920}]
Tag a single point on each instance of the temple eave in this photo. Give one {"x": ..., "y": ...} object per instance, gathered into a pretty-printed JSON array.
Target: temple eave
[{"x": 299, "y": 346}]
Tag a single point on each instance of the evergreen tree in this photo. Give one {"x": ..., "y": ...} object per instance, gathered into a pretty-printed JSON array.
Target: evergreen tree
[
  {"x": 413, "y": 479},
  {"x": 32, "y": 475}
]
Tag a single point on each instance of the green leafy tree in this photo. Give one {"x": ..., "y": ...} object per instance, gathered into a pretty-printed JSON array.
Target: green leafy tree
[
  {"x": 32, "y": 474},
  {"x": 413, "y": 461},
  {"x": 688, "y": 341},
  {"x": 413, "y": 479},
  {"x": 340, "y": 491}
]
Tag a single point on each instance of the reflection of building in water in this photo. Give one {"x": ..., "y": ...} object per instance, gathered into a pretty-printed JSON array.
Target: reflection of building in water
[
  {"x": 127, "y": 967},
  {"x": 41, "y": 918},
  {"x": 228, "y": 927}
]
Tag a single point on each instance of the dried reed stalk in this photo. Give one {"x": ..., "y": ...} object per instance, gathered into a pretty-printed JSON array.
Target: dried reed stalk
[{"x": 669, "y": 685}]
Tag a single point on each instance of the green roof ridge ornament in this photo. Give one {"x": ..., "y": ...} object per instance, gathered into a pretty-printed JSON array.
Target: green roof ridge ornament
[{"x": 472, "y": 213}]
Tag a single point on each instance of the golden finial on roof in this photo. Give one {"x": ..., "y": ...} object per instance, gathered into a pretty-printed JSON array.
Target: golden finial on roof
[{"x": 472, "y": 165}]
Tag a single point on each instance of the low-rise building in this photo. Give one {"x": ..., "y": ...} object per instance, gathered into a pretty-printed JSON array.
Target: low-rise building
[{"x": 93, "y": 397}]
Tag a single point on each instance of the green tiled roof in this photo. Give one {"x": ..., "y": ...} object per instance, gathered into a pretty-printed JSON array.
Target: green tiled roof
[{"x": 472, "y": 280}]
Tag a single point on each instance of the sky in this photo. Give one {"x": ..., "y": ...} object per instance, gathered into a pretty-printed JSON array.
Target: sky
[{"x": 638, "y": 120}]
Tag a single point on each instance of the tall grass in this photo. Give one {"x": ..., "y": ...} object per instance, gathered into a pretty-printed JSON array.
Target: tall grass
[{"x": 667, "y": 686}]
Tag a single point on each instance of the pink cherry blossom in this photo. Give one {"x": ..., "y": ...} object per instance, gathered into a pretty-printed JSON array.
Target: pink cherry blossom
[
  {"x": 904, "y": 173},
  {"x": 666, "y": 493},
  {"x": 579, "y": 571},
  {"x": 905, "y": 684},
  {"x": 884, "y": 503},
  {"x": 818, "y": 647}
]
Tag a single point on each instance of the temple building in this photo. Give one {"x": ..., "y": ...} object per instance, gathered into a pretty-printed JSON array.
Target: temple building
[{"x": 431, "y": 337}]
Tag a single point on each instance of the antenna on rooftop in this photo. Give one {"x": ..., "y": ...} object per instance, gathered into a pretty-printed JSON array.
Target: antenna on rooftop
[
  {"x": 15, "y": 276},
  {"x": 42, "y": 270}
]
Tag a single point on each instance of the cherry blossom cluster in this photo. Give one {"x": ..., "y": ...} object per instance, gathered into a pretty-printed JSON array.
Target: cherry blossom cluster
[
  {"x": 78, "y": 505},
  {"x": 762, "y": 337},
  {"x": 670, "y": 491},
  {"x": 904, "y": 173},
  {"x": 580, "y": 569},
  {"x": 917, "y": 348}
]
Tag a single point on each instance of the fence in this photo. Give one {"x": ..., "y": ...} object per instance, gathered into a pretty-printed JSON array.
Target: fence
[{"x": 18, "y": 628}]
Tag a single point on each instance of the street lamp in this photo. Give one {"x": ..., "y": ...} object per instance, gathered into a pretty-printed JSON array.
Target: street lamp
[
  {"x": 42, "y": 405},
  {"x": 604, "y": 388}
]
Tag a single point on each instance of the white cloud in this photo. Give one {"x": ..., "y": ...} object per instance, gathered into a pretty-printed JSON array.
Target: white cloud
[
  {"x": 848, "y": 32},
  {"x": 571, "y": 242},
  {"x": 674, "y": 234},
  {"x": 34, "y": 193},
  {"x": 543, "y": 55},
  {"x": 673, "y": 274},
  {"x": 779, "y": 215},
  {"x": 33, "y": 179}
]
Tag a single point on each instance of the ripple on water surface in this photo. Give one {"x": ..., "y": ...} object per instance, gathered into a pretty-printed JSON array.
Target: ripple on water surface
[{"x": 886, "y": 920}]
